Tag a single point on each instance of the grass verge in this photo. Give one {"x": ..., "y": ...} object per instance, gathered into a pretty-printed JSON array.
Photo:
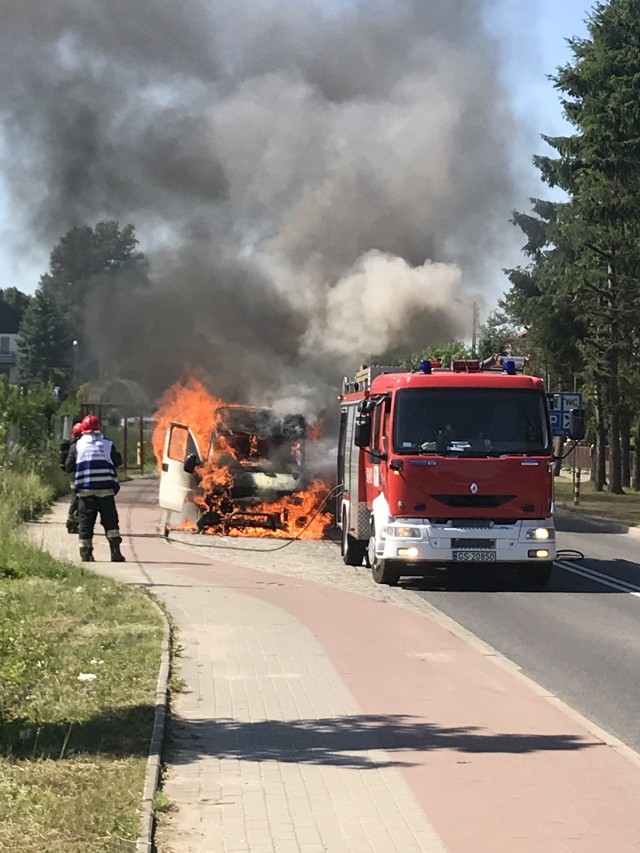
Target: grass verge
[
  {"x": 79, "y": 657},
  {"x": 621, "y": 508}
]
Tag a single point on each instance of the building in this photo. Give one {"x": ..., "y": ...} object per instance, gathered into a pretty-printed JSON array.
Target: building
[
  {"x": 12, "y": 307},
  {"x": 9, "y": 355}
]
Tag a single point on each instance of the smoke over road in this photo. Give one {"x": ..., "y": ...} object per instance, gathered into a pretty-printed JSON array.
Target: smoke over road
[{"x": 312, "y": 182}]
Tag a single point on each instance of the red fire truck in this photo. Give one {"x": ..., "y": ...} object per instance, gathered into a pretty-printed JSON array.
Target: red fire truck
[{"x": 443, "y": 468}]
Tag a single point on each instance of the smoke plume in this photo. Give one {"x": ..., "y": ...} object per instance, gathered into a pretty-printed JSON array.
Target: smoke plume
[{"x": 312, "y": 182}]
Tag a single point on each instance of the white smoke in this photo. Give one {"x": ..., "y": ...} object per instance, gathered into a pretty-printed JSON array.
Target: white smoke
[{"x": 366, "y": 311}]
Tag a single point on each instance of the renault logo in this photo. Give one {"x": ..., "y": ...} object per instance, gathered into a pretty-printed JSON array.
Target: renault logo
[{"x": 473, "y": 488}]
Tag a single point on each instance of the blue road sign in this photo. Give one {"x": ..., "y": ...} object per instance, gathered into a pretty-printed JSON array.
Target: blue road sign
[
  {"x": 560, "y": 406},
  {"x": 556, "y": 422}
]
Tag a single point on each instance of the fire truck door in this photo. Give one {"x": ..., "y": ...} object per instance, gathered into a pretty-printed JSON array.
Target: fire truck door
[
  {"x": 378, "y": 446},
  {"x": 176, "y": 484}
]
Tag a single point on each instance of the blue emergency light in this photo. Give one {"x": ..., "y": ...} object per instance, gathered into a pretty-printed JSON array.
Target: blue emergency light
[
  {"x": 424, "y": 366},
  {"x": 509, "y": 366}
]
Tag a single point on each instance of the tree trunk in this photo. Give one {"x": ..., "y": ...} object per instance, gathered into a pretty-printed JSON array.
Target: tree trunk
[
  {"x": 600, "y": 463},
  {"x": 615, "y": 457},
  {"x": 615, "y": 405},
  {"x": 635, "y": 475},
  {"x": 625, "y": 446},
  {"x": 601, "y": 459}
]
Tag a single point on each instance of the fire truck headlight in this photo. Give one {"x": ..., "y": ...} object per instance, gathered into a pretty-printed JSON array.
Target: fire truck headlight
[
  {"x": 541, "y": 534},
  {"x": 410, "y": 553},
  {"x": 538, "y": 554},
  {"x": 404, "y": 531}
]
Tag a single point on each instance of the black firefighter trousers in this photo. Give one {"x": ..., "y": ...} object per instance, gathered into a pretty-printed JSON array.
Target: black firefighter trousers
[{"x": 89, "y": 507}]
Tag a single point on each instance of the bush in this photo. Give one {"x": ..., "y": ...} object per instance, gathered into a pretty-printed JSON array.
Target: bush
[
  {"x": 20, "y": 461},
  {"x": 23, "y": 497}
]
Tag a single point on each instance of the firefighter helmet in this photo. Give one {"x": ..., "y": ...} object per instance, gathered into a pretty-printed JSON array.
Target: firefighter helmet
[
  {"x": 90, "y": 423},
  {"x": 76, "y": 431}
]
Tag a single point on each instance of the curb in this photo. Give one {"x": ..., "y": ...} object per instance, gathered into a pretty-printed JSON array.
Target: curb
[
  {"x": 144, "y": 841},
  {"x": 626, "y": 529}
]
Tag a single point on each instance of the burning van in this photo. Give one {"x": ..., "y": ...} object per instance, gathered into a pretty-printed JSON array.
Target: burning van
[{"x": 244, "y": 472}]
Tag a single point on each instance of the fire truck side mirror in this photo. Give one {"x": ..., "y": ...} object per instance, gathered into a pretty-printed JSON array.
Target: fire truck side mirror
[
  {"x": 362, "y": 430},
  {"x": 576, "y": 424},
  {"x": 191, "y": 463}
]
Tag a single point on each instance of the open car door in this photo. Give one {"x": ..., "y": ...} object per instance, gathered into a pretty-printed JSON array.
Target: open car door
[{"x": 176, "y": 484}]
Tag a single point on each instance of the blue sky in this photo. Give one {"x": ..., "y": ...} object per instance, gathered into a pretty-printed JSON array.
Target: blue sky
[{"x": 533, "y": 36}]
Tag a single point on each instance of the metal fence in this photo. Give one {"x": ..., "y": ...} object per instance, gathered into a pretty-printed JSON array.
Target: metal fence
[
  {"x": 131, "y": 434},
  {"x": 582, "y": 458}
]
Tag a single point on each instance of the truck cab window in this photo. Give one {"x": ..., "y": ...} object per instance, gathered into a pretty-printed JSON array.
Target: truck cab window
[{"x": 473, "y": 421}]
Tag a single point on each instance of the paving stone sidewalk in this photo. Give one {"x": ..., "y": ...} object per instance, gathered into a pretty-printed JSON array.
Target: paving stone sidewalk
[
  {"x": 261, "y": 753},
  {"x": 323, "y": 713}
]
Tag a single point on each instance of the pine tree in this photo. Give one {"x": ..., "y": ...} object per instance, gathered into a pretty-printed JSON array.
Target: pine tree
[
  {"x": 591, "y": 264},
  {"x": 45, "y": 343}
]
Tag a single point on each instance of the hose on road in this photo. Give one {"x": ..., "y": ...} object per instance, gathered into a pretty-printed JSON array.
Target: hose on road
[{"x": 569, "y": 554}]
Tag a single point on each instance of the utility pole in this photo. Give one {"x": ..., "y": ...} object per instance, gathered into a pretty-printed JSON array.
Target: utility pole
[
  {"x": 74, "y": 375},
  {"x": 474, "y": 331}
]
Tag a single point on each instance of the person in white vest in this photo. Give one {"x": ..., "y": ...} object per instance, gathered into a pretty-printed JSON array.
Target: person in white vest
[{"x": 93, "y": 462}]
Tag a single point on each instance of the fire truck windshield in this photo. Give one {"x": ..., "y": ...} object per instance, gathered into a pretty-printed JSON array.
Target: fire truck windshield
[{"x": 471, "y": 422}]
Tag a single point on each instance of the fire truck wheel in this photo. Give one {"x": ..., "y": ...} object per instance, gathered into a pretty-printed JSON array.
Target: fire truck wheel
[
  {"x": 352, "y": 549},
  {"x": 535, "y": 576},
  {"x": 382, "y": 571}
]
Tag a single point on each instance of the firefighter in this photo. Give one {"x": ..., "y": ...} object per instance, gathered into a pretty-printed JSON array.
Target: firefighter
[
  {"x": 94, "y": 461},
  {"x": 65, "y": 447}
]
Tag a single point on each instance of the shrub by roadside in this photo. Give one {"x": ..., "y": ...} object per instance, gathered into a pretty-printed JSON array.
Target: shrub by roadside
[
  {"x": 23, "y": 497},
  {"x": 29, "y": 483}
]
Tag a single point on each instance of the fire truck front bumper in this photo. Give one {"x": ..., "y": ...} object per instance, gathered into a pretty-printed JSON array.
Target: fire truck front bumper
[{"x": 418, "y": 541}]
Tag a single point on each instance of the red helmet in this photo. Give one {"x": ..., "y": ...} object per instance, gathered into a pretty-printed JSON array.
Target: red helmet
[
  {"x": 90, "y": 423},
  {"x": 76, "y": 431}
]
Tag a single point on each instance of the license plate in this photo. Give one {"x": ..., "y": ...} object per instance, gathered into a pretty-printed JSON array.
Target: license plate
[{"x": 474, "y": 556}]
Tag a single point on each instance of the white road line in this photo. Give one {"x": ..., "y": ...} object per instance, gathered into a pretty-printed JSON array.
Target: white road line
[{"x": 606, "y": 580}]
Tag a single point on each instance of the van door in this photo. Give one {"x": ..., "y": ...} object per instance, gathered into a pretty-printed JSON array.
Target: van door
[{"x": 176, "y": 485}]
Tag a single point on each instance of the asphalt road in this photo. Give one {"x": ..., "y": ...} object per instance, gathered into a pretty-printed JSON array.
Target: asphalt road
[{"x": 580, "y": 637}]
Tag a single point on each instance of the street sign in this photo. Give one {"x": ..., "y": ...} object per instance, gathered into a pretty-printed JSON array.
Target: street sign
[
  {"x": 560, "y": 406},
  {"x": 556, "y": 422}
]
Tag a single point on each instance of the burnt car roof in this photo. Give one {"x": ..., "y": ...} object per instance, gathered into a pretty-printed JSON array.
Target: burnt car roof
[{"x": 262, "y": 422}]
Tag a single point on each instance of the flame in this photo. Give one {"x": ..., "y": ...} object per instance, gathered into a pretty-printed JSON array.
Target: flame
[
  {"x": 315, "y": 430},
  {"x": 301, "y": 514}
]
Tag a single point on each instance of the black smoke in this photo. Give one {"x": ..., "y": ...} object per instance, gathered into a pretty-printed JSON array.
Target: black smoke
[{"x": 312, "y": 182}]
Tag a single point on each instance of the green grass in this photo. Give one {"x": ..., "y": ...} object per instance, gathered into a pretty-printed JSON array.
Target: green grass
[
  {"x": 622, "y": 508},
  {"x": 72, "y": 752}
]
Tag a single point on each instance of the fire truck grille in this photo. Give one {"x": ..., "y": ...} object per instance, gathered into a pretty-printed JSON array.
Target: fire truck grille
[
  {"x": 473, "y": 544},
  {"x": 473, "y": 501}
]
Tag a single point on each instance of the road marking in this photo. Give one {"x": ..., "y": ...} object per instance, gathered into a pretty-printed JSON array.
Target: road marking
[{"x": 606, "y": 580}]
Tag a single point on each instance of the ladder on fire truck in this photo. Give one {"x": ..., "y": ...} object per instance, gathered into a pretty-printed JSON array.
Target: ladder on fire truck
[{"x": 501, "y": 363}]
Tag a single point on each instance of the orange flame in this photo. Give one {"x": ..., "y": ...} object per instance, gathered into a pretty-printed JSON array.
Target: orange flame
[{"x": 300, "y": 514}]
